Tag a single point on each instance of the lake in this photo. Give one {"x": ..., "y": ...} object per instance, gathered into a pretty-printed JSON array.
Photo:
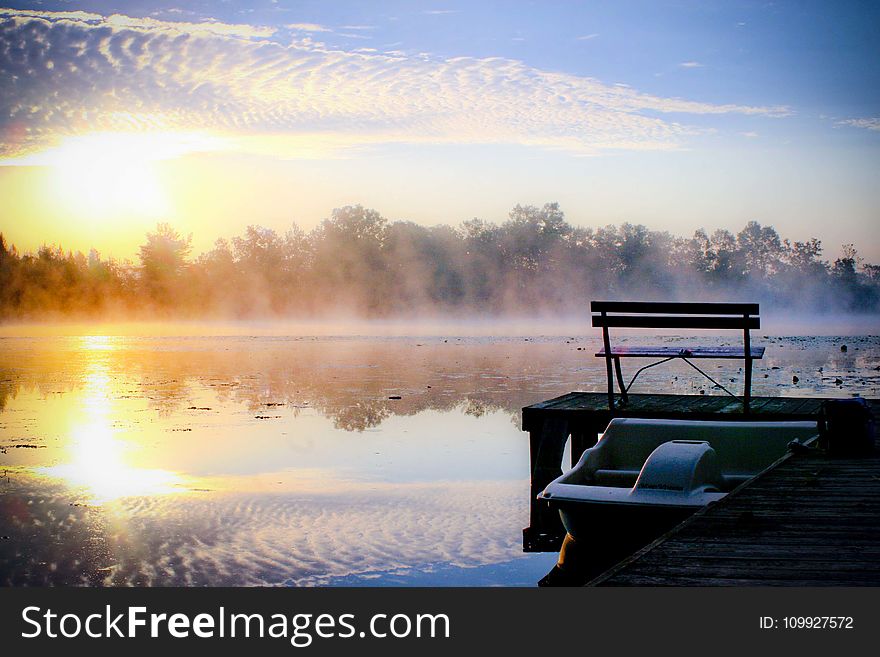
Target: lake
[{"x": 269, "y": 459}]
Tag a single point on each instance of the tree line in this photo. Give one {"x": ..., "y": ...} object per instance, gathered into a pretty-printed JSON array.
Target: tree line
[{"x": 358, "y": 263}]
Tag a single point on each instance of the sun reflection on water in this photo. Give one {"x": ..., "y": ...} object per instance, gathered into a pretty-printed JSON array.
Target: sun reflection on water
[
  {"x": 99, "y": 465},
  {"x": 98, "y": 342},
  {"x": 100, "y": 459}
]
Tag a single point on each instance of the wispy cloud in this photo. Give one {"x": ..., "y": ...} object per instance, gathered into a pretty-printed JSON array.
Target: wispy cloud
[
  {"x": 865, "y": 124},
  {"x": 152, "y": 24},
  {"x": 441, "y": 12},
  {"x": 751, "y": 134},
  {"x": 588, "y": 37},
  {"x": 691, "y": 65},
  {"x": 307, "y": 27},
  {"x": 83, "y": 72}
]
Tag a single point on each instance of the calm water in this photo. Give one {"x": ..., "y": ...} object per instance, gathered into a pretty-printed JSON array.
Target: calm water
[{"x": 289, "y": 460}]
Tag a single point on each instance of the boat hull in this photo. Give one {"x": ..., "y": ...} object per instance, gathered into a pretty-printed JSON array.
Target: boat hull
[{"x": 629, "y": 524}]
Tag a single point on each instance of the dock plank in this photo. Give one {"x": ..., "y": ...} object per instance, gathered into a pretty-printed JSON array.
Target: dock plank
[
  {"x": 582, "y": 405},
  {"x": 812, "y": 520}
]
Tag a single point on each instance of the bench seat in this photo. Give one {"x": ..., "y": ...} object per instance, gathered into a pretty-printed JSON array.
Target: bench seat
[{"x": 678, "y": 352}]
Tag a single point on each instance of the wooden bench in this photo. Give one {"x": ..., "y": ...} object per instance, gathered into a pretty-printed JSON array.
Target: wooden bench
[{"x": 661, "y": 315}]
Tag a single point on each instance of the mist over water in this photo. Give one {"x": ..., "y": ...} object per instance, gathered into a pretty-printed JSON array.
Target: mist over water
[
  {"x": 309, "y": 460},
  {"x": 774, "y": 321}
]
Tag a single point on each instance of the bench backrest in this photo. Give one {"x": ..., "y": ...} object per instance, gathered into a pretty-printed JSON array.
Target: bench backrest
[{"x": 658, "y": 314}]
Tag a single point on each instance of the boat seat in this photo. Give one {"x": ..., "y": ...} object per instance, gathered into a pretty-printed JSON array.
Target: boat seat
[
  {"x": 621, "y": 478},
  {"x": 681, "y": 467}
]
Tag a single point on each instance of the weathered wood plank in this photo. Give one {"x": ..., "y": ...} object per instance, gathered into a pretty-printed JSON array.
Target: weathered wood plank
[
  {"x": 811, "y": 521},
  {"x": 649, "y": 580},
  {"x": 652, "y": 403},
  {"x": 676, "y": 322},
  {"x": 597, "y": 401},
  {"x": 683, "y": 307},
  {"x": 757, "y": 568}
]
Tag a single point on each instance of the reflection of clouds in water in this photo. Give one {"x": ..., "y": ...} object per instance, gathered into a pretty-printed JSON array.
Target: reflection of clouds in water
[{"x": 290, "y": 539}]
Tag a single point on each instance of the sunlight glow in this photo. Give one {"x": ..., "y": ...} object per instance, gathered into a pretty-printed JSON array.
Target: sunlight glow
[
  {"x": 99, "y": 465},
  {"x": 106, "y": 174},
  {"x": 98, "y": 343},
  {"x": 99, "y": 458}
]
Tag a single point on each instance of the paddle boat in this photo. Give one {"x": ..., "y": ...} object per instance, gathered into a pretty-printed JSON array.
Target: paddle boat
[{"x": 644, "y": 476}]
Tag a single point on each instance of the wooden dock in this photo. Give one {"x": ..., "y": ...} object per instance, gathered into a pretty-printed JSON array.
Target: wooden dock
[
  {"x": 583, "y": 415},
  {"x": 809, "y": 521}
]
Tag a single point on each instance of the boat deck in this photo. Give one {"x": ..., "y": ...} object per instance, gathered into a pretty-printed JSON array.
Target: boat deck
[{"x": 809, "y": 521}]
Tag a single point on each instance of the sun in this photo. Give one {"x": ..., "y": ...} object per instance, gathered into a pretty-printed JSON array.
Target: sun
[
  {"x": 109, "y": 174},
  {"x": 104, "y": 175}
]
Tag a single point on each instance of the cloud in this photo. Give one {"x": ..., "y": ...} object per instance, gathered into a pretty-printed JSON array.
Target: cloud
[
  {"x": 146, "y": 23},
  {"x": 691, "y": 65},
  {"x": 588, "y": 37},
  {"x": 865, "y": 124},
  {"x": 750, "y": 134},
  {"x": 70, "y": 73},
  {"x": 441, "y": 12},
  {"x": 307, "y": 27}
]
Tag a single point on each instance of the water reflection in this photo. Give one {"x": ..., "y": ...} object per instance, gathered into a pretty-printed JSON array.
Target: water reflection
[
  {"x": 99, "y": 464},
  {"x": 97, "y": 457},
  {"x": 299, "y": 460}
]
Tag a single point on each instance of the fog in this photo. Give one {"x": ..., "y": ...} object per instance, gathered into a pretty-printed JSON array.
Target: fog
[
  {"x": 772, "y": 324},
  {"x": 534, "y": 270}
]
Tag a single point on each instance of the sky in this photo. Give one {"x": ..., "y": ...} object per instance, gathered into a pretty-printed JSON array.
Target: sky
[{"x": 216, "y": 115}]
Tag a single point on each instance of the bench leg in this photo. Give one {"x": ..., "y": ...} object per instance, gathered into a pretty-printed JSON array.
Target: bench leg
[
  {"x": 747, "y": 394},
  {"x": 608, "y": 366},
  {"x": 620, "y": 380},
  {"x": 606, "y": 342}
]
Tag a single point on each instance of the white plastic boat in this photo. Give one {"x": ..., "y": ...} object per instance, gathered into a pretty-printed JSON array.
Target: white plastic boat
[{"x": 645, "y": 476}]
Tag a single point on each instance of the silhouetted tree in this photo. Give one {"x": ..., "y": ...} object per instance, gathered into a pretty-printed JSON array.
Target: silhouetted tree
[
  {"x": 163, "y": 265},
  {"x": 357, "y": 262}
]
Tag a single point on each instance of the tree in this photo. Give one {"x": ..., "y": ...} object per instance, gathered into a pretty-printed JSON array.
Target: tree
[
  {"x": 844, "y": 268},
  {"x": 759, "y": 248},
  {"x": 349, "y": 267},
  {"x": 163, "y": 264}
]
